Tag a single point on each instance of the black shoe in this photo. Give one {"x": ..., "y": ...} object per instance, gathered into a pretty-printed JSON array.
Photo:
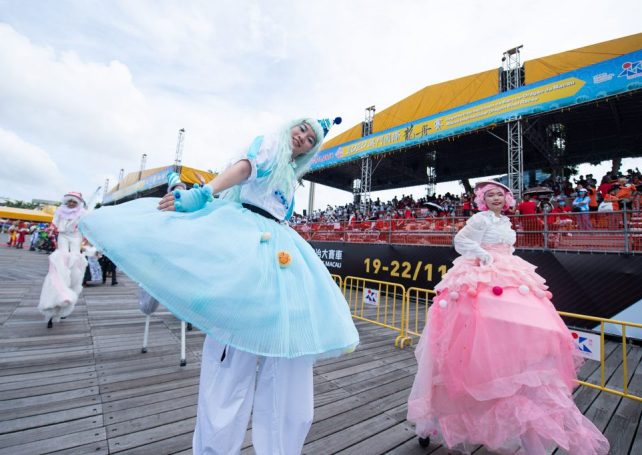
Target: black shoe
[
  {"x": 50, "y": 323},
  {"x": 114, "y": 284},
  {"x": 424, "y": 442}
]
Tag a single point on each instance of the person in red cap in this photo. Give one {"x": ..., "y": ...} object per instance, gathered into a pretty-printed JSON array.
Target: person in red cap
[{"x": 67, "y": 265}]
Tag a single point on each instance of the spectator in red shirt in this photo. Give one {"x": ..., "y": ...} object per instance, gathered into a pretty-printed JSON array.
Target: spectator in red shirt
[
  {"x": 555, "y": 217},
  {"x": 605, "y": 186},
  {"x": 529, "y": 222}
]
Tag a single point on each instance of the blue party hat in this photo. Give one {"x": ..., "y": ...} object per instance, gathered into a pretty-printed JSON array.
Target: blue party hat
[{"x": 326, "y": 124}]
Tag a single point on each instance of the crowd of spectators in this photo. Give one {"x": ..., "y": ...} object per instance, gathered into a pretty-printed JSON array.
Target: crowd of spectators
[
  {"x": 405, "y": 207},
  {"x": 615, "y": 191}
]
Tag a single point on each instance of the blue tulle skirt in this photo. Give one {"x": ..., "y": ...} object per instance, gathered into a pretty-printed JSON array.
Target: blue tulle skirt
[{"x": 225, "y": 270}]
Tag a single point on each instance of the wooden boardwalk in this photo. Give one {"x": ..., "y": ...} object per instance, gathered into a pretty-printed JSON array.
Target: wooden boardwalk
[{"x": 84, "y": 386}]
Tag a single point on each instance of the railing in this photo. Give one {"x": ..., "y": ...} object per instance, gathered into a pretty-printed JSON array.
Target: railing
[
  {"x": 378, "y": 302},
  {"x": 570, "y": 231},
  {"x": 625, "y": 371},
  {"x": 405, "y": 311}
]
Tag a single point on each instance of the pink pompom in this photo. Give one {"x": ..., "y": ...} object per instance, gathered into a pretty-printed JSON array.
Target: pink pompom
[
  {"x": 472, "y": 292},
  {"x": 497, "y": 290},
  {"x": 548, "y": 294}
]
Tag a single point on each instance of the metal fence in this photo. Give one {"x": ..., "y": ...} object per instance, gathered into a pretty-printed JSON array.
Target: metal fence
[
  {"x": 625, "y": 364},
  {"x": 378, "y": 302},
  {"x": 405, "y": 311},
  {"x": 618, "y": 231}
]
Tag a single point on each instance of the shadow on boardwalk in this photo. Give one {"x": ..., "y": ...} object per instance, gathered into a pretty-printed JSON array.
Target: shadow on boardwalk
[{"x": 85, "y": 387}]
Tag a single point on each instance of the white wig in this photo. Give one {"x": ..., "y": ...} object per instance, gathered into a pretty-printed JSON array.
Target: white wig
[{"x": 284, "y": 170}]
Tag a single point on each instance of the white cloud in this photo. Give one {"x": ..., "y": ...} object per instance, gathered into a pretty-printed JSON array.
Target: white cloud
[
  {"x": 97, "y": 84},
  {"x": 25, "y": 168}
]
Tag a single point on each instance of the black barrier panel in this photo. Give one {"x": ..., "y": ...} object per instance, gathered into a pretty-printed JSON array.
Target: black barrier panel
[
  {"x": 407, "y": 265},
  {"x": 599, "y": 285}
]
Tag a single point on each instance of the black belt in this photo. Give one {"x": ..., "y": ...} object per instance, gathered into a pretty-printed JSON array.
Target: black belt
[{"x": 260, "y": 211}]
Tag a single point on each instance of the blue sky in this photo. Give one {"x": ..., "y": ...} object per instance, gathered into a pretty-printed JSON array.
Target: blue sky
[{"x": 87, "y": 87}]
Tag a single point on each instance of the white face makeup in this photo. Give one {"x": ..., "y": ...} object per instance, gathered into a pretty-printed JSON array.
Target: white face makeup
[{"x": 303, "y": 139}]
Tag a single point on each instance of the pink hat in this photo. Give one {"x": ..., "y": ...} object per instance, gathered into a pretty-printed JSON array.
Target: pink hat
[
  {"x": 483, "y": 185},
  {"x": 494, "y": 182},
  {"x": 73, "y": 196}
]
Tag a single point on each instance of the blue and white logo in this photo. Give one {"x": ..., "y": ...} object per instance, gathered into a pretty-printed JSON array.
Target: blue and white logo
[{"x": 631, "y": 69}]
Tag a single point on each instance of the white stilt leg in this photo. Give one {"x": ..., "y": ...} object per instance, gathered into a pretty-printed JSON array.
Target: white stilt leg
[
  {"x": 147, "y": 318},
  {"x": 183, "y": 359}
]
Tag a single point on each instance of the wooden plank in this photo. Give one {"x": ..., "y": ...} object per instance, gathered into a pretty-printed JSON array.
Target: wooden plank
[
  {"x": 66, "y": 441},
  {"x": 151, "y": 409},
  {"x": 150, "y": 436},
  {"x": 341, "y": 440},
  {"x": 382, "y": 442},
  {"x": 37, "y": 400},
  {"x": 54, "y": 406},
  {"x": 50, "y": 418},
  {"x": 622, "y": 427},
  {"x": 50, "y": 431},
  {"x": 154, "y": 420},
  {"x": 47, "y": 385}
]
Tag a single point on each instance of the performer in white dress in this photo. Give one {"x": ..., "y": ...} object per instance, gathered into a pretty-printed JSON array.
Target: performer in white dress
[{"x": 63, "y": 283}]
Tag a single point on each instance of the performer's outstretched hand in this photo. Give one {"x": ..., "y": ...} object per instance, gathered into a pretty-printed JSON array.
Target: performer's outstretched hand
[{"x": 186, "y": 200}]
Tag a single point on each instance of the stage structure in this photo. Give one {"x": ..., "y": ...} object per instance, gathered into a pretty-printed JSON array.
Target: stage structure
[{"x": 583, "y": 105}]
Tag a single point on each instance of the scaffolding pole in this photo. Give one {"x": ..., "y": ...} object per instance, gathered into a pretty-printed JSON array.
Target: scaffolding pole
[
  {"x": 515, "y": 158},
  {"x": 365, "y": 183},
  {"x": 366, "y": 180},
  {"x": 178, "y": 159},
  {"x": 311, "y": 199},
  {"x": 512, "y": 79}
]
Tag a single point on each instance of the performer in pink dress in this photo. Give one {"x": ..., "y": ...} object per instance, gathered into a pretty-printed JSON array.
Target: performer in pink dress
[{"x": 497, "y": 365}]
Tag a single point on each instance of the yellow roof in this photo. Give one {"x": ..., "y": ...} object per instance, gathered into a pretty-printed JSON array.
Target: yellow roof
[
  {"x": 25, "y": 214},
  {"x": 458, "y": 92}
]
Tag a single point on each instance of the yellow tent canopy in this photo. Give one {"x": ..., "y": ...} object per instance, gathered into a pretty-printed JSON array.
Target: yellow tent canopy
[
  {"x": 13, "y": 213},
  {"x": 458, "y": 92}
]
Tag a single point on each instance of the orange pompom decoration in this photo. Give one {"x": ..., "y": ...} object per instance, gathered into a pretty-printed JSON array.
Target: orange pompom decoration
[{"x": 284, "y": 258}]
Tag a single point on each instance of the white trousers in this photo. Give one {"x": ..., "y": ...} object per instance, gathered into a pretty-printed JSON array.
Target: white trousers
[
  {"x": 277, "y": 391},
  {"x": 69, "y": 242}
]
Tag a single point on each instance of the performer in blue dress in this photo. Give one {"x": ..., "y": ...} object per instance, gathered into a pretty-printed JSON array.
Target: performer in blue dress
[{"x": 233, "y": 268}]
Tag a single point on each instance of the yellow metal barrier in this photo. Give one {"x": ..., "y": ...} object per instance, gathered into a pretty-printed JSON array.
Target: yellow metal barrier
[
  {"x": 337, "y": 279},
  {"x": 415, "y": 315},
  {"x": 625, "y": 393},
  {"x": 378, "y": 302},
  {"x": 418, "y": 301}
]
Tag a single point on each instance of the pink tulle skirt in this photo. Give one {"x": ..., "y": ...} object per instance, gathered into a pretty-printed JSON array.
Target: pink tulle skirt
[{"x": 497, "y": 365}]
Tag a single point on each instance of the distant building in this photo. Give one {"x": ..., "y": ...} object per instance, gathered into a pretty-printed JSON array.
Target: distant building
[{"x": 151, "y": 183}]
